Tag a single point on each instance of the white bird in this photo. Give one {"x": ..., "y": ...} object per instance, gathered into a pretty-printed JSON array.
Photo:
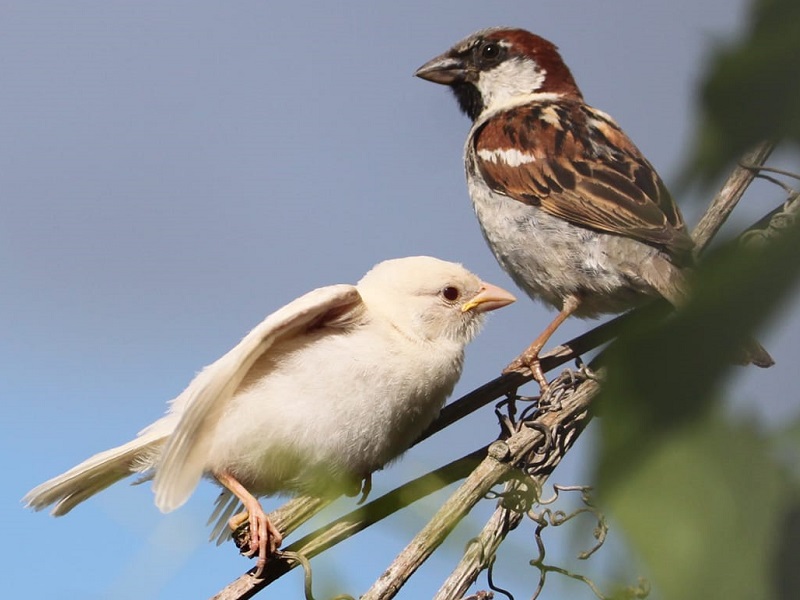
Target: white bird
[{"x": 320, "y": 394}]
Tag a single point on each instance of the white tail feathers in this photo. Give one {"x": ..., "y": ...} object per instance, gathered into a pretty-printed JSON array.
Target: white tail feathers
[
  {"x": 225, "y": 506},
  {"x": 95, "y": 474}
]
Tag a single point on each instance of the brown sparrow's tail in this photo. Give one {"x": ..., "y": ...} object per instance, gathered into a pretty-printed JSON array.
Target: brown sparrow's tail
[
  {"x": 754, "y": 353},
  {"x": 671, "y": 282}
]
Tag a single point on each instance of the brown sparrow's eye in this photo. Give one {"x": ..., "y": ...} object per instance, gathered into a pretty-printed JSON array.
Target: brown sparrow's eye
[
  {"x": 488, "y": 54},
  {"x": 490, "y": 50},
  {"x": 450, "y": 293}
]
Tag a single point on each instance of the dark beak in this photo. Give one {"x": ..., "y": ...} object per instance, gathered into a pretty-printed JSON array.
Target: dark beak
[{"x": 443, "y": 69}]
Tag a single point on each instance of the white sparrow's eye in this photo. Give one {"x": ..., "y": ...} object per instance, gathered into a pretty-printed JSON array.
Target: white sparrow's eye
[{"x": 451, "y": 294}]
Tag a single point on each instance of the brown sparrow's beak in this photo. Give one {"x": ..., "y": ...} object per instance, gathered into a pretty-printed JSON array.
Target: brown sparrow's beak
[
  {"x": 489, "y": 297},
  {"x": 443, "y": 69}
]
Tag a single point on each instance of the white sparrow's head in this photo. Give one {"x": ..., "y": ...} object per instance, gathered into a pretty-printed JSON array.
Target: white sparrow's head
[
  {"x": 430, "y": 299},
  {"x": 500, "y": 67}
]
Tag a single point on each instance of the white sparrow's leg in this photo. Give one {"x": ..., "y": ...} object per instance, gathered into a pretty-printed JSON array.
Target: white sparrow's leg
[
  {"x": 265, "y": 539},
  {"x": 529, "y": 359}
]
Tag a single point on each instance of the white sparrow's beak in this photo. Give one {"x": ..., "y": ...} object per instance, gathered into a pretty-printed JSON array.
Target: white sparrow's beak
[
  {"x": 444, "y": 69},
  {"x": 489, "y": 297}
]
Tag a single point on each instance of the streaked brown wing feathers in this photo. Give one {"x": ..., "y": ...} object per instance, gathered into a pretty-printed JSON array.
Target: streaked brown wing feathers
[{"x": 581, "y": 167}]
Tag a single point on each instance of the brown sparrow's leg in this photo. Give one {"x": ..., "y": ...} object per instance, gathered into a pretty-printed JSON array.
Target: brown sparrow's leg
[
  {"x": 529, "y": 359},
  {"x": 265, "y": 539}
]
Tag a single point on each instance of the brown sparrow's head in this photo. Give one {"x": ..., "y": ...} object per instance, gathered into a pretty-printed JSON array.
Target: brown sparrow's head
[{"x": 500, "y": 67}]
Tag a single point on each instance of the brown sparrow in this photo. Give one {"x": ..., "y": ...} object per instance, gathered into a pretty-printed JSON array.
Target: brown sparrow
[
  {"x": 568, "y": 204},
  {"x": 320, "y": 394}
]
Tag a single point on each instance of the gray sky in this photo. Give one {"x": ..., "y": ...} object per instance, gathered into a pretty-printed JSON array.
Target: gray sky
[{"x": 172, "y": 172}]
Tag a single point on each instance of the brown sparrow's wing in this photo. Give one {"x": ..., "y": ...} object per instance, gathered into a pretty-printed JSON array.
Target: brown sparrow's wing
[
  {"x": 183, "y": 460},
  {"x": 576, "y": 163}
]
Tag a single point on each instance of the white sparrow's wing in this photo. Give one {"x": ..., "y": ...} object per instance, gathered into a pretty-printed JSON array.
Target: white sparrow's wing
[
  {"x": 183, "y": 460},
  {"x": 575, "y": 163}
]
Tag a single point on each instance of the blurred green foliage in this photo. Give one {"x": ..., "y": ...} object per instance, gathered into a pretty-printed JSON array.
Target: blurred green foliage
[
  {"x": 706, "y": 502},
  {"x": 752, "y": 90},
  {"x": 712, "y": 505},
  {"x": 663, "y": 375}
]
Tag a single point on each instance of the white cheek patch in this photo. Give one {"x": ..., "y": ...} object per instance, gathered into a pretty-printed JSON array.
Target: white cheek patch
[
  {"x": 509, "y": 80},
  {"x": 509, "y": 156}
]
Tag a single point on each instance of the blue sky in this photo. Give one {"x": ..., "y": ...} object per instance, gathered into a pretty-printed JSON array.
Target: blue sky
[{"x": 172, "y": 172}]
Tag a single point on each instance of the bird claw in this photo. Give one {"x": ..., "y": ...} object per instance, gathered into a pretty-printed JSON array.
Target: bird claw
[
  {"x": 366, "y": 488},
  {"x": 255, "y": 535},
  {"x": 529, "y": 365},
  {"x": 517, "y": 366}
]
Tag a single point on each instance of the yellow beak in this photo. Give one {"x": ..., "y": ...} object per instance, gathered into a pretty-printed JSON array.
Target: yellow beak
[{"x": 489, "y": 297}]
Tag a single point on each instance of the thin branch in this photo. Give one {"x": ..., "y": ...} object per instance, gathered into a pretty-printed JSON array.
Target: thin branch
[
  {"x": 480, "y": 552},
  {"x": 297, "y": 511},
  {"x": 728, "y": 197},
  {"x": 774, "y": 223}
]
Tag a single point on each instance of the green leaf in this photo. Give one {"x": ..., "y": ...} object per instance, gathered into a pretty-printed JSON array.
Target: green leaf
[{"x": 703, "y": 511}]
